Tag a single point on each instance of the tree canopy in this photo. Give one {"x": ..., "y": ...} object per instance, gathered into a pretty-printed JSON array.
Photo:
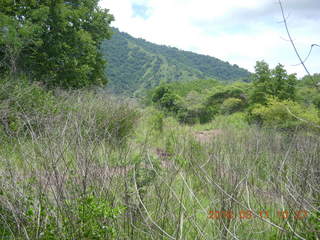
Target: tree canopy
[
  {"x": 56, "y": 42},
  {"x": 272, "y": 82}
]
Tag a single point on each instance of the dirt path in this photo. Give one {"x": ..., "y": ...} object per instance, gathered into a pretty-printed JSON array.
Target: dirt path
[{"x": 206, "y": 136}]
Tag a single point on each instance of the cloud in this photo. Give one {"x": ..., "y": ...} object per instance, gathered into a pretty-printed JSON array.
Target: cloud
[{"x": 240, "y": 32}]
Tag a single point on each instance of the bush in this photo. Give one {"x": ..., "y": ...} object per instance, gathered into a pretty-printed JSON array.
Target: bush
[
  {"x": 102, "y": 117},
  {"x": 92, "y": 218},
  {"x": 198, "y": 114},
  {"x": 285, "y": 115},
  {"x": 24, "y": 107},
  {"x": 231, "y": 105},
  {"x": 220, "y": 94},
  {"x": 166, "y": 99},
  {"x": 156, "y": 120},
  {"x": 188, "y": 116},
  {"x": 27, "y": 109},
  {"x": 236, "y": 120}
]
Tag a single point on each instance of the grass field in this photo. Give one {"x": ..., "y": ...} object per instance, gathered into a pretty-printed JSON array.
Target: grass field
[{"x": 108, "y": 169}]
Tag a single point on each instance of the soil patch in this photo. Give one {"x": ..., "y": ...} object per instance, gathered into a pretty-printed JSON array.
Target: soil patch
[{"x": 206, "y": 136}]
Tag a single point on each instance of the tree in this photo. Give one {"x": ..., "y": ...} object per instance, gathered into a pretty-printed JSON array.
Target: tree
[
  {"x": 166, "y": 99},
  {"x": 56, "y": 42},
  {"x": 284, "y": 85},
  {"x": 272, "y": 82}
]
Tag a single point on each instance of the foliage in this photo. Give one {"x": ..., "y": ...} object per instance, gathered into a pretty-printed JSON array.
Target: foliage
[
  {"x": 135, "y": 65},
  {"x": 275, "y": 82},
  {"x": 94, "y": 215},
  {"x": 63, "y": 185},
  {"x": 166, "y": 99},
  {"x": 156, "y": 120},
  {"x": 199, "y": 86},
  {"x": 195, "y": 115},
  {"x": 192, "y": 91},
  {"x": 56, "y": 42},
  {"x": 199, "y": 101},
  {"x": 25, "y": 106},
  {"x": 92, "y": 219},
  {"x": 221, "y": 93},
  {"x": 194, "y": 110},
  {"x": 104, "y": 118},
  {"x": 231, "y": 105},
  {"x": 284, "y": 114},
  {"x": 308, "y": 90}
]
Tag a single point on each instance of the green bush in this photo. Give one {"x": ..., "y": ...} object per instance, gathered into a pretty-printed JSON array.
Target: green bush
[
  {"x": 231, "y": 105},
  {"x": 188, "y": 116},
  {"x": 220, "y": 94},
  {"x": 156, "y": 120},
  {"x": 95, "y": 216},
  {"x": 24, "y": 107},
  {"x": 170, "y": 102},
  {"x": 285, "y": 115},
  {"x": 92, "y": 218},
  {"x": 165, "y": 99},
  {"x": 103, "y": 118},
  {"x": 196, "y": 114}
]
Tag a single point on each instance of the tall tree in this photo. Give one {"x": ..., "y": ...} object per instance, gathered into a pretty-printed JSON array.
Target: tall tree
[
  {"x": 58, "y": 42},
  {"x": 283, "y": 85},
  {"x": 261, "y": 80},
  {"x": 272, "y": 82}
]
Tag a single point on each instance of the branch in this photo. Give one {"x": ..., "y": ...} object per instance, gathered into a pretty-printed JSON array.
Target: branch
[
  {"x": 311, "y": 48},
  {"x": 290, "y": 38},
  {"x": 300, "y": 119},
  {"x": 295, "y": 49}
]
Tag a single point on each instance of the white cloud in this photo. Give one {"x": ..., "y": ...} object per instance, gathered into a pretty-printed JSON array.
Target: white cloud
[{"x": 240, "y": 32}]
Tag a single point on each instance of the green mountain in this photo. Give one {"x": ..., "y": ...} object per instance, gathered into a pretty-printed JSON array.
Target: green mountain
[{"x": 135, "y": 65}]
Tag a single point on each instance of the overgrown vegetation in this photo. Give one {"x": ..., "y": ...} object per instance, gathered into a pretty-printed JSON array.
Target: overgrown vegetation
[
  {"x": 273, "y": 99},
  {"x": 197, "y": 159},
  {"x": 72, "y": 181}
]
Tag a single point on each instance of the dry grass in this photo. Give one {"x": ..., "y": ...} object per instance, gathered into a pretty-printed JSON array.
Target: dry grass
[{"x": 164, "y": 185}]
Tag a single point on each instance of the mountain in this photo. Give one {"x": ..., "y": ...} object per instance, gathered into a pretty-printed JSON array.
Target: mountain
[{"x": 135, "y": 65}]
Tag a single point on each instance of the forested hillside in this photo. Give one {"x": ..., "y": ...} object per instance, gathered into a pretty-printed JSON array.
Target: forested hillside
[{"x": 135, "y": 64}]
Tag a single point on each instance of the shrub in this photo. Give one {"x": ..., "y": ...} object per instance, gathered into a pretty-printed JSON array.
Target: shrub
[
  {"x": 156, "y": 120},
  {"x": 102, "y": 117},
  {"x": 197, "y": 114},
  {"x": 285, "y": 115},
  {"x": 166, "y": 99},
  {"x": 92, "y": 218},
  {"x": 24, "y": 106},
  {"x": 220, "y": 94},
  {"x": 188, "y": 116},
  {"x": 236, "y": 120},
  {"x": 231, "y": 105},
  {"x": 170, "y": 102}
]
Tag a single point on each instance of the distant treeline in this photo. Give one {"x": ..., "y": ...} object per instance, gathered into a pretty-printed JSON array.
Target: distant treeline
[{"x": 273, "y": 99}]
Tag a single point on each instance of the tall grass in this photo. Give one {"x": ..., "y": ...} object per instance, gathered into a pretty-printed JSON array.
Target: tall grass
[{"x": 103, "y": 169}]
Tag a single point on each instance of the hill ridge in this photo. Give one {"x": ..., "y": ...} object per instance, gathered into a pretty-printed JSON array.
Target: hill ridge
[{"x": 135, "y": 65}]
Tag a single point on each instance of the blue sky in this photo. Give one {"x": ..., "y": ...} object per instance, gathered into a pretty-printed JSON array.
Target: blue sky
[
  {"x": 241, "y": 32},
  {"x": 140, "y": 11}
]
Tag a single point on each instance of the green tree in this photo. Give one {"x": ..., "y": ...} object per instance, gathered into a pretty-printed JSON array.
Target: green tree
[
  {"x": 307, "y": 93},
  {"x": 272, "y": 82},
  {"x": 166, "y": 99},
  {"x": 56, "y": 42},
  {"x": 283, "y": 85}
]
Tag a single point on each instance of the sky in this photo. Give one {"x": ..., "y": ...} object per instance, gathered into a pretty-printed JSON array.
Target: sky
[{"x": 238, "y": 31}]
